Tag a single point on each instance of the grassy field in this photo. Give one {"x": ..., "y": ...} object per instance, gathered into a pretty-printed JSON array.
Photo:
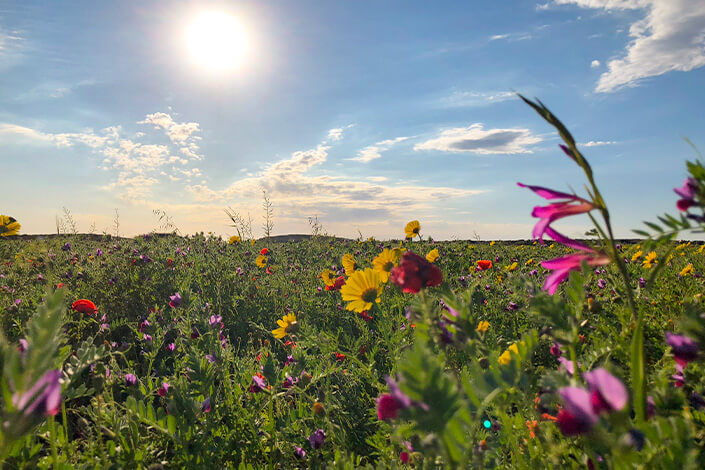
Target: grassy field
[{"x": 237, "y": 395}]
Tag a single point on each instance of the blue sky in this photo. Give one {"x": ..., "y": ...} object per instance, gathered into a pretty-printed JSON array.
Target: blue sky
[{"x": 366, "y": 114}]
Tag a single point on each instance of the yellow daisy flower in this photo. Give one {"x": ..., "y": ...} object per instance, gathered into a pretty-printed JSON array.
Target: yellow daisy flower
[
  {"x": 385, "y": 262},
  {"x": 637, "y": 255},
  {"x": 701, "y": 249},
  {"x": 412, "y": 229},
  {"x": 512, "y": 266},
  {"x": 362, "y": 290},
  {"x": 688, "y": 270},
  {"x": 234, "y": 239},
  {"x": 483, "y": 326},
  {"x": 261, "y": 261},
  {"x": 432, "y": 255},
  {"x": 325, "y": 275},
  {"x": 492, "y": 243},
  {"x": 8, "y": 226},
  {"x": 349, "y": 264},
  {"x": 287, "y": 326},
  {"x": 505, "y": 358},
  {"x": 531, "y": 261},
  {"x": 650, "y": 260}
]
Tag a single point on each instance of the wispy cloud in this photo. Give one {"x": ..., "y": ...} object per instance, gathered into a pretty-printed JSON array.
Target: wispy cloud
[
  {"x": 475, "y": 139},
  {"x": 374, "y": 152},
  {"x": 670, "y": 37},
  {"x": 471, "y": 99},
  {"x": 599, "y": 143},
  {"x": 511, "y": 37}
]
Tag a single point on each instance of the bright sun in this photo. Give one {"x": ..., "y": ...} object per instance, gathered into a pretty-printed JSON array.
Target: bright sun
[{"x": 216, "y": 41}]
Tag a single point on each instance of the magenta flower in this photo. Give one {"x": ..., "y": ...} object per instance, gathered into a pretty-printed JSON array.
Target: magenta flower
[
  {"x": 577, "y": 415},
  {"x": 299, "y": 452},
  {"x": 684, "y": 349},
  {"x": 214, "y": 320},
  {"x": 44, "y": 397},
  {"x": 170, "y": 347},
  {"x": 678, "y": 377},
  {"x": 607, "y": 393},
  {"x": 552, "y": 212},
  {"x": 687, "y": 193},
  {"x": 164, "y": 389},
  {"x": 175, "y": 300},
  {"x": 563, "y": 265},
  {"x": 206, "y": 405},
  {"x": 130, "y": 379},
  {"x": 317, "y": 439}
]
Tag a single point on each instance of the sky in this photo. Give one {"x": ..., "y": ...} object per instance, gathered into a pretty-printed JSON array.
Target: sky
[{"x": 364, "y": 114}]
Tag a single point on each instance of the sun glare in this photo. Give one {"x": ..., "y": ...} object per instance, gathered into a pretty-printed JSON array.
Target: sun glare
[{"x": 216, "y": 41}]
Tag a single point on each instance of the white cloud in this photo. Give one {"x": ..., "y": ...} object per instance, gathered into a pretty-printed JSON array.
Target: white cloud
[
  {"x": 594, "y": 64},
  {"x": 498, "y": 36},
  {"x": 511, "y": 37},
  {"x": 474, "y": 139},
  {"x": 335, "y": 134},
  {"x": 670, "y": 37},
  {"x": 598, "y": 143},
  {"x": 374, "y": 152},
  {"x": 135, "y": 164},
  {"x": 182, "y": 133}
]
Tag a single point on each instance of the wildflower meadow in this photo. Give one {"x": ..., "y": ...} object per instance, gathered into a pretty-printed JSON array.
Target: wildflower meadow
[{"x": 169, "y": 351}]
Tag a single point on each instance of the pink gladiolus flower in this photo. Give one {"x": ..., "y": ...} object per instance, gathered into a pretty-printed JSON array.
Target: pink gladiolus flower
[
  {"x": 563, "y": 265},
  {"x": 557, "y": 210},
  {"x": 687, "y": 192}
]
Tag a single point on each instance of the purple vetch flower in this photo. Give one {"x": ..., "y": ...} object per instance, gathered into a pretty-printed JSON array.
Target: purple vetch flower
[
  {"x": 289, "y": 360},
  {"x": 577, "y": 415},
  {"x": 206, "y": 405},
  {"x": 289, "y": 381},
  {"x": 194, "y": 333},
  {"x": 556, "y": 349},
  {"x": 642, "y": 282},
  {"x": 258, "y": 384},
  {"x": 164, "y": 389},
  {"x": 66, "y": 247},
  {"x": 99, "y": 252},
  {"x": 211, "y": 358},
  {"x": 684, "y": 349},
  {"x": 317, "y": 439},
  {"x": 175, "y": 300},
  {"x": 512, "y": 306},
  {"x": 170, "y": 347},
  {"x": 650, "y": 406},
  {"x": 567, "y": 365},
  {"x": 299, "y": 452},
  {"x": 44, "y": 397},
  {"x": 214, "y": 320},
  {"x": 687, "y": 192},
  {"x": 601, "y": 283},
  {"x": 533, "y": 272},
  {"x": 40, "y": 278},
  {"x": 130, "y": 379},
  {"x": 607, "y": 392},
  {"x": 678, "y": 377},
  {"x": 147, "y": 338}
]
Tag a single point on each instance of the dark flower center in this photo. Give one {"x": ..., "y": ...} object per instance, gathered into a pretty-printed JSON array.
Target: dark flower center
[{"x": 370, "y": 295}]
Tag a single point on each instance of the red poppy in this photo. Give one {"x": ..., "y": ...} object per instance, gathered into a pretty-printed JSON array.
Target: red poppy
[
  {"x": 264, "y": 252},
  {"x": 60, "y": 285},
  {"x": 484, "y": 264},
  {"x": 340, "y": 357},
  {"x": 337, "y": 284},
  {"x": 365, "y": 315},
  {"x": 269, "y": 270},
  {"x": 84, "y": 306},
  {"x": 415, "y": 272}
]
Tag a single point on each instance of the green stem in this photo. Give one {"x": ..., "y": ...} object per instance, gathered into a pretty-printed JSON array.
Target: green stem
[{"x": 52, "y": 441}]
